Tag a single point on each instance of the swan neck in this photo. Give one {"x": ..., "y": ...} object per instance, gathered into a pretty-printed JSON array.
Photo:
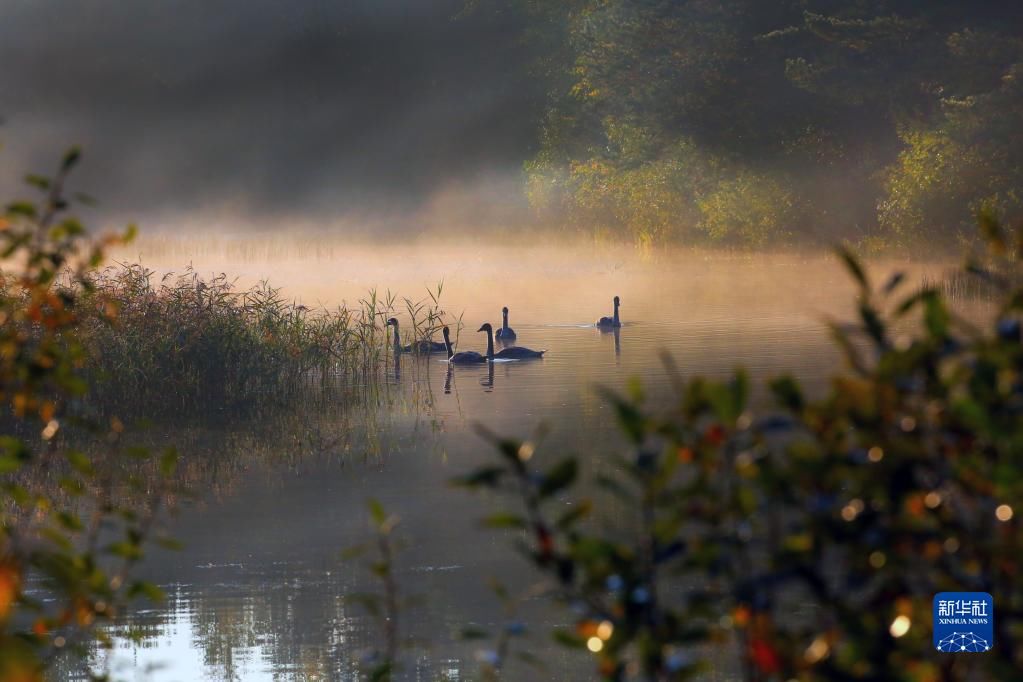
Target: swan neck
[
  {"x": 616, "y": 314},
  {"x": 397, "y": 339},
  {"x": 447, "y": 345},
  {"x": 490, "y": 343},
  {"x": 505, "y": 325}
]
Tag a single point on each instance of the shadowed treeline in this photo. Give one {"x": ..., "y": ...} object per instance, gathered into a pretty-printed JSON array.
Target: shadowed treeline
[{"x": 758, "y": 123}]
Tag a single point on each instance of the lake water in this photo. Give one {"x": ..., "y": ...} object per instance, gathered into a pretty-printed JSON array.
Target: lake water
[{"x": 259, "y": 592}]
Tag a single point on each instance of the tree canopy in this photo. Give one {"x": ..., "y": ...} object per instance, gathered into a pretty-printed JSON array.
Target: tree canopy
[{"x": 752, "y": 123}]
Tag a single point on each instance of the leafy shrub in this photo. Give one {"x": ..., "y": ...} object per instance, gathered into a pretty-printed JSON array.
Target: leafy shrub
[
  {"x": 751, "y": 209},
  {"x": 72, "y": 525},
  {"x": 811, "y": 538}
]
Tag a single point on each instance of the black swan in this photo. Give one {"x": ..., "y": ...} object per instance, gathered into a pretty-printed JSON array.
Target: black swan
[
  {"x": 421, "y": 346},
  {"x": 611, "y": 322},
  {"x": 465, "y": 357},
  {"x": 511, "y": 353},
  {"x": 505, "y": 333}
]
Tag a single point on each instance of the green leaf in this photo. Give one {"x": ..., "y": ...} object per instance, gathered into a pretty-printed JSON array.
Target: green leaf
[
  {"x": 169, "y": 543},
  {"x": 141, "y": 588},
  {"x": 565, "y": 638},
  {"x": 80, "y": 462},
  {"x": 788, "y": 393},
  {"x": 39, "y": 181},
  {"x": 71, "y": 157},
  {"x": 936, "y": 317},
  {"x": 128, "y": 550},
  {"x": 634, "y": 388},
  {"x": 354, "y": 552},
  {"x": 893, "y": 282},
  {"x": 22, "y": 208},
  {"x": 739, "y": 389},
  {"x": 559, "y": 477},
  {"x": 504, "y": 520},
  {"x": 9, "y": 464},
  {"x": 486, "y": 477},
  {"x": 872, "y": 324},
  {"x": 852, "y": 264},
  {"x": 382, "y": 673},
  {"x": 629, "y": 416},
  {"x": 168, "y": 462},
  {"x": 69, "y": 521},
  {"x": 377, "y": 512}
]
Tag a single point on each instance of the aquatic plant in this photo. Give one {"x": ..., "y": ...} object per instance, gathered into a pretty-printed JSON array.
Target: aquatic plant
[
  {"x": 182, "y": 341},
  {"x": 386, "y": 606},
  {"x": 811, "y": 539}
]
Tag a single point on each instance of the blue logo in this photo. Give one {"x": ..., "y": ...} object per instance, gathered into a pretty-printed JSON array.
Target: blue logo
[{"x": 964, "y": 622}]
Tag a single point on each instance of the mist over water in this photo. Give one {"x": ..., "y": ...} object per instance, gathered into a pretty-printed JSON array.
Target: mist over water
[
  {"x": 259, "y": 591},
  {"x": 459, "y": 156}
]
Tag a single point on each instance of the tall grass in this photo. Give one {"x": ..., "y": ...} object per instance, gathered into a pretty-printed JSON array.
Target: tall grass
[{"x": 182, "y": 340}]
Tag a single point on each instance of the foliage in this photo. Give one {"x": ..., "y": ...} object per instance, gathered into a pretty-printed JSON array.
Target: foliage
[
  {"x": 966, "y": 164},
  {"x": 387, "y": 606},
  {"x": 751, "y": 209},
  {"x": 890, "y": 119},
  {"x": 72, "y": 525},
  {"x": 813, "y": 538},
  {"x": 184, "y": 342}
]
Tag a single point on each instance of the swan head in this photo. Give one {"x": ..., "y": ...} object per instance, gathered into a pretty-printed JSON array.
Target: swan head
[
  {"x": 392, "y": 320},
  {"x": 504, "y": 310},
  {"x": 618, "y": 301},
  {"x": 485, "y": 328},
  {"x": 447, "y": 334}
]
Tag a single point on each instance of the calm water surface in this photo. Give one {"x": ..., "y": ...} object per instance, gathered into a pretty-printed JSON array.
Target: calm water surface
[{"x": 259, "y": 591}]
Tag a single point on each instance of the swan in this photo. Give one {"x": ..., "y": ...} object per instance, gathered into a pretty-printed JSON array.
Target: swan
[
  {"x": 505, "y": 333},
  {"x": 510, "y": 353},
  {"x": 465, "y": 357},
  {"x": 611, "y": 322},
  {"x": 421, "y": 346}
]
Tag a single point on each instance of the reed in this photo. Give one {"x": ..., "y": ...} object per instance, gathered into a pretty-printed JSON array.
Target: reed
[{"x": 185, "y": 341}]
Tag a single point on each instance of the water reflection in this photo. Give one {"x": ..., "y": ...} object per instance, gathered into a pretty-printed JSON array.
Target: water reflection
[{"x": 260, "y": 591}]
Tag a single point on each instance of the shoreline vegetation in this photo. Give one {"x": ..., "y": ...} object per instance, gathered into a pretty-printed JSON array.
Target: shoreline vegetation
[
  {"x": 733, "y": 521},
  {"x": 186, "y": 341},
  {"x": 915, "y": 455},
  {"x": 86, "y": 351},
  {"x": 887, "y": 124}
]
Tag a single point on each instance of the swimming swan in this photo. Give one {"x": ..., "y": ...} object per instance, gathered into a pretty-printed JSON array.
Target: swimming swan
[
  {"x": 465, "y": 357},
  {"x": 611, "y": 322},
  {"x": 421, "y": 346},
  {"x": 505, "y": 333},
  {"x": 511, "y": 353}
]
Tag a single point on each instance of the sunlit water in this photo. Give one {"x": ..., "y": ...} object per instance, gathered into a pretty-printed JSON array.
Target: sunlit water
[{"x": 259, "y": 591}]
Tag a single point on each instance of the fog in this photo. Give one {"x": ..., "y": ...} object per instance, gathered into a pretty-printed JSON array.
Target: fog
[{"x": 265, "y": 114}]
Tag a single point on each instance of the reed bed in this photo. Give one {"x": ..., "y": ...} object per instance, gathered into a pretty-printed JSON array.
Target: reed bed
[
  {"x": 973, "y": 285},
  {"x": 184, "y": 341}
]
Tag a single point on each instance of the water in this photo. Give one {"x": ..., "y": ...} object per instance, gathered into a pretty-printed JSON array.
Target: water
[{"x": 259, "y": 592}]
